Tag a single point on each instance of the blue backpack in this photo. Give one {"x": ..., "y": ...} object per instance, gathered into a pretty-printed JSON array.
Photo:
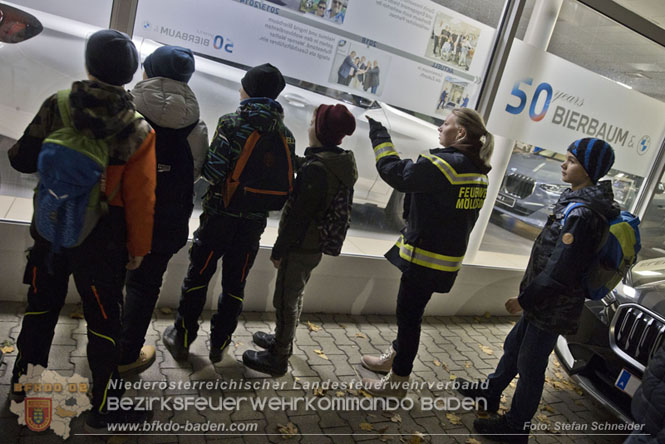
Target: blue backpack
[
  {"x": 70, "y": 197},
  {"x": 617, "y": 252}
]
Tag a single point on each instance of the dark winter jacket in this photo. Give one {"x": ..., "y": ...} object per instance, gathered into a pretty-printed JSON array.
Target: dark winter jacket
[
  {"x": 551, "y": 292},
  {"x": 101, "y": 110},
  {"x": 172, "y": 110},
  {"x": 261, "y": 114},
  {"x": 317, "y": 182},
  {"x": 445, "y": 191},
  {"x": 648, "y": 405}
]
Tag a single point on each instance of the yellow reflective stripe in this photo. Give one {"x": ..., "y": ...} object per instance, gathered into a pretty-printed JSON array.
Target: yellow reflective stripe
[
  {"x": 35, "y": 313},
  {"x": 428, "y": 259},
  {"x": 106, "y": 389},
  {"x": 184, "y": 328},
  {"x": 101, "y": 336},
  {"x": 453, "y": 176},
  {"x": 384, "y": 149},
  {"x": 195, "y": 288},
  {"x": 236, "y": 297}
]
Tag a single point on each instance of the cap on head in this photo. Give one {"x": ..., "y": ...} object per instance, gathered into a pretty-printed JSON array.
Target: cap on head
[
  {"x": 263, "y": 81},
  {"x": 333, "y": 122},
  {"x": 110, "y": 56},
  {"x": 595, "y": 155},
  {"x": 173, "y": 62}
]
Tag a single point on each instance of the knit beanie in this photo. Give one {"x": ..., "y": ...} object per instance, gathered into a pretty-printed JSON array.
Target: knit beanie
[
  {"x": 595, "y": 155},
  {"x": 172, "y": 62},
  {"x": 263, "y": 81},
  {"x": 111, "y": 57},
  {"x": 333, "y": 122}
]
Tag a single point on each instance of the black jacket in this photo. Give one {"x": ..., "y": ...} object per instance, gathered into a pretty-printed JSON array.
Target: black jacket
[
  {"x": 314, "y": 189},
  {"x": 445, "y": 192},
  {"x": 551, "y": 291},
  {"x": 648, "y": 405}
]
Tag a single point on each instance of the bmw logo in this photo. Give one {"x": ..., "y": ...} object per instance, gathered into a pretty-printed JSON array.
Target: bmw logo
[{"x": 643, "y": 145}]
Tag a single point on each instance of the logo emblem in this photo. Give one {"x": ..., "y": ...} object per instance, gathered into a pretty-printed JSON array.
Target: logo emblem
[
  {"x": 643, "y": 146},
  {"x": 38, "y": 413}
]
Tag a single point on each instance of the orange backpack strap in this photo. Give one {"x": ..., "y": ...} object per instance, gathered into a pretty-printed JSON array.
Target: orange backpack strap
[
  {"x": 288, "y": 159},
  {"x": 233, "y": 181}
]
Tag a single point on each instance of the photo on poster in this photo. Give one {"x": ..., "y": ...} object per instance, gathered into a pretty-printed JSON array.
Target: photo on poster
[
  {"x": 360, "y": 67},
  {"x": 331, "y": 10},
  {"x": 454, "y": 94},
  {"x": 452, "y": 42}
]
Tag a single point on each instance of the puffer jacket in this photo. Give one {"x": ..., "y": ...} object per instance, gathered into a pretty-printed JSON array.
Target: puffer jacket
[
  {"x": 171, "y": 108},
  {"x": 100, "y": 111},
  {"x": 551, "y": 292},
  {"x": 445, "y": 191},
  {"x": 261, "y": 114},
  {"x": 316, "y": 183},
  {"x": 648, "y": 405},
  {"x": 172, "y": 104}
]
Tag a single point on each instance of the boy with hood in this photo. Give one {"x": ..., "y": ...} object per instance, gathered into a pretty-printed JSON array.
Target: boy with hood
[
  {"x": 170, "y": 106},
  {"x": 225, "y": 232},
  {"x": 100, "y": 108},
  {"x": 551, "y": 292},
  {"x": 297, "y": 250}
]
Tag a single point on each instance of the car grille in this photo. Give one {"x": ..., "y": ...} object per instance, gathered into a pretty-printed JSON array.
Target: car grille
[
  {"x": 636, "y": 334},
  {"x": 519, "y": 185}
]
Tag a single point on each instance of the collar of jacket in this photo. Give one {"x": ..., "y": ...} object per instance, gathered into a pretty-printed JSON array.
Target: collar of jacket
[
  {"x": 471, "y": 151},
  {"x": 322, "y": 149}
]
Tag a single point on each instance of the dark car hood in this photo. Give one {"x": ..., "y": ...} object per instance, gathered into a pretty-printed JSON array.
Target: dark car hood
[
  {"x": 649, "y": 287},
  {"x": 542, "y": 169}
]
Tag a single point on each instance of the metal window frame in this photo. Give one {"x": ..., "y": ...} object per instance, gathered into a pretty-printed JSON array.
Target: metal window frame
[{"x": 123, "y": 16}]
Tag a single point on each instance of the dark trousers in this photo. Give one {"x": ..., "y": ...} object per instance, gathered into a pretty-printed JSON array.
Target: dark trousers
[
  {"x": 526, "y": 351},
  {"x": 412, "y": 298},
  {"x": 236, "y": 241},
  {"x": 292, "y": 276},
  {"x": 98, "y": 269},
  {"x": 142, "y": 291}
]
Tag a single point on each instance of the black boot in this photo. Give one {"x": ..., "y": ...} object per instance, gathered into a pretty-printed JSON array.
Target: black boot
[
  {"x": 175, "y": 343},
  {"x": 217, "y": 353},
  {"x": 498, "y": 429},
  {"x": 471, "y": 389},
  {"x": 266, "y": 362},
  {"x": 263, "y": 339}
]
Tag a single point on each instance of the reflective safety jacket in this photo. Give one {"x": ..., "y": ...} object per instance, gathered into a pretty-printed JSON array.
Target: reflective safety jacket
[{"x": 445, "y": 191}]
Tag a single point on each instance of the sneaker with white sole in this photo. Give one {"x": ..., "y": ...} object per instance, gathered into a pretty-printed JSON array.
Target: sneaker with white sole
[
  {"x": 381, "y": 364},
  {"x": 144, "y": 361}
]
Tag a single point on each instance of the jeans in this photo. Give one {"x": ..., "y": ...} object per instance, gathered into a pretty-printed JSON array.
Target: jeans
[
  {"x": 526, "y": 351},
  {"x": 292, "y": 276},
  {"x": 142, "y": 291},
  {"x": 236, "y": 241},
  {"x": 412, "y": 299}
]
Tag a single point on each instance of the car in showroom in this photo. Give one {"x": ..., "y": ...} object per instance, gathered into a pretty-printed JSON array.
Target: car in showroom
[
  {"x": 617, "y": 336},
  {"x": 42, "y": 53}
]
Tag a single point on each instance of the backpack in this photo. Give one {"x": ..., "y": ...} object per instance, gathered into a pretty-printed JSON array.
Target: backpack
[
  {"x": 615, "y": 255},
  {"x": 70, "y": 197},
  {"x": 336, "y": 219},
  {"x": 174, "y": 192},
  {"x": 262, "y": 178}
]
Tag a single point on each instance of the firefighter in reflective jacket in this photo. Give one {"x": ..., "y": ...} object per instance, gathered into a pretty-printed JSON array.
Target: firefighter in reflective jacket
[{"x": 445, "y": 190}]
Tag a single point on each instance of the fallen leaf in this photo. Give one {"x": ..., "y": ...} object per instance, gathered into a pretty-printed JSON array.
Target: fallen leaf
[
  {"x": 487, "y": 315},
  {"x": 353, "y": 392},
  {"x": 445, "y": 367},
  {"x": 454, "y": 419},
  {"x": 416, "y": 438},
  {"x": 288, "y": 431},
  {"x": 396, "y": 418},
  {"x": 321, "y": 354},
  {"x": 437, "y": 363},
  {"x": 64, "y": 412},
  {"x": 366, "y": 426},
  {"x": 579, "y": 392},
  {"x": 467, "y": 364},
  {"x": 513, "y": 384},
  {"x": 7, "y": 349},
  {"x": 547, "y": 408},
  {"x": 486, "y": 349},
  {"x": 472, "y": 441},
  {"x": 77, "y": 313},
  {"x": 319, "y": 392},
  {"x": 313, "y": 327},
  {"x": 452, "y": 377},
  {"x": 360, "y": 335},
  {"x": 340, "y": 394},
  {"x": 6, "y": 343},
  {"x": 543, "y": 418},
  {"x": 559, "y": 375},
  {"x": 556, "y": 364},
  {"x": 364, "y": 393},
  {"x": 482, "y": 414},
  {"x": 166, "y": 310}
]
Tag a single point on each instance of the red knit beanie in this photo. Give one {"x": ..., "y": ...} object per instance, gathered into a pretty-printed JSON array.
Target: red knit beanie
[{"x": 333, "y": 122}]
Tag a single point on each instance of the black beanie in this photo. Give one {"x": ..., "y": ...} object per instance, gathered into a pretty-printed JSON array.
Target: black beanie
[
  {"x": 595, "y": 155},
  {"x": 263, "y": 81},
  {"x": 110, "y": 56},
  {"x": 172, "y": 62}
]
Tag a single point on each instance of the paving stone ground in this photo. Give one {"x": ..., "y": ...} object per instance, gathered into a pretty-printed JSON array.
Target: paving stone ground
[{"x": 327, "y": 350}]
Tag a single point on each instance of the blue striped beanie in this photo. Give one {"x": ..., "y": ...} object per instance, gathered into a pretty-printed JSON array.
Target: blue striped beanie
[{"x": 595, "y": 155}]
